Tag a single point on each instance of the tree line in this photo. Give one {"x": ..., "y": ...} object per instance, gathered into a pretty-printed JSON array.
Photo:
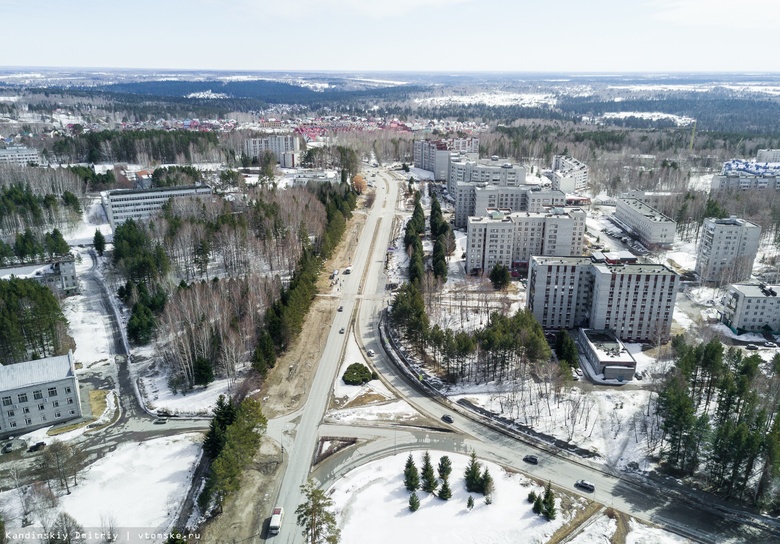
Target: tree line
[
  {"x": 21, "y": 207},
  {"x": 29, "y": 247}
]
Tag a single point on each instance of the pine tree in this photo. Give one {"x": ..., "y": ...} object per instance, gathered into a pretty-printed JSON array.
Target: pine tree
[
  {"x": 411, "y": 475},
  {"x": 538, "y": 505},
  {"x": 445, "y": 493},
  {"x": 548, "y": 503},
  {"x": 532, "y": 497},
  {"x": 99, "y": 241},
  {"x": 316, "y": 516},
  {"x": 472, "y": 475},
  {"x": 488, "y": 486},
  {"x": 414, "y": 502},
  {"x": 429, "y": 483},
  {"x": 470, "y": 502},
  {"x": 445, "y": 467}
]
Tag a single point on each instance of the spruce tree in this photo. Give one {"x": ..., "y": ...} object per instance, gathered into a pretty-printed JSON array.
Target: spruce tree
[
  {"x": 429, "y": 483},
  {"x": 548, "y": 503},
  {"x": 470, "y": 502},
  {"x": 488, "y": 486},
  {"x": 532, "y": 496},
  {"x": 414, "y": 502},
  {"x": 99, "y": 241},
  {"x": 472, "y": 475},
  {"x": 538, "y": 505},
  {"x": 445, "y": 493},
  {"x": 445, "y": 467},
  {"x": 411, "y": 475}
]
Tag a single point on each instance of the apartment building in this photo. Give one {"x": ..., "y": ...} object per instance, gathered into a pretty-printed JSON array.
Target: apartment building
[
  {"x": 510, "y": 239},
  {"x": 727, "y": 250},
  {"x": 37, "y": 394},
  {"x": 635, "y": 301},
  {"x": 474, "y": 198},
  {"x": 432, "y": 155},
  {"x": 648, "y": 225},
  {"x": 752, "y": 308},
  {"x": 463, "y": 169},
  {"x": 121, "y": 205},
  {"x": 568, "y": 174},
  {"x": 278, "y": 144},
  {"x": 59, "y": 275},
  {"x": 19, "y": 155},
  {"x": 768, "y": 155},
  {"x": 744, "y": 175}
]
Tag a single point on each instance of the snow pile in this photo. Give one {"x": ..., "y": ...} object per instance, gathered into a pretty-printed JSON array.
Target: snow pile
[{"x": 642, "y": 534}]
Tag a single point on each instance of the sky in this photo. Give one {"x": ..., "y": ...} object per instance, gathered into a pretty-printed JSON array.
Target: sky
[{"x": 591, "y": 36}]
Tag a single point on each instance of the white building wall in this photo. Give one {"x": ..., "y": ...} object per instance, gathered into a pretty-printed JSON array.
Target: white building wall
[
  {"x": 727, "y": 250},
  {"x": 652, "y": 228},
  {"x": 122, "y": 205},
  {"x": 752, "y": 308}
]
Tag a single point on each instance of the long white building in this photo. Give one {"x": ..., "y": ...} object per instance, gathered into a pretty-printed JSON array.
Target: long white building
[
  {"x": 752, "y": 308},
  {"x": 59, "y": 275},
  {"x": 278, "y": 144},
  {"x": 648, "y": 225},
  {"x": 473, "y": 199},
  {"x": 121, "y": 205},
  {"x": 569, "y": 174},
  {"x": 635, "y": 301},
  {"x": 494, "y": 171},
  {"x": 768, "y": 155},
  {"x": 37, "y": 394},
  {"x": 738, "y": 174},
  {"x": 19, "y": 155},
  {"x": 727, "y": 250},
  {"x": 510, "y": 239}
]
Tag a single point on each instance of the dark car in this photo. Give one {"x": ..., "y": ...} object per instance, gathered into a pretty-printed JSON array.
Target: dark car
[
  {"x": 36, "y": 447},
  {"x": 341, "y": 308},
  {"x": 446, "y": 418},
  {"x": 584, "y": 484},
  {"x": 531, "y": 459},
  {"x": 751, "y": 347},
  {"x": 161, "y": 421},
  {"x": 341, "y": 331}
]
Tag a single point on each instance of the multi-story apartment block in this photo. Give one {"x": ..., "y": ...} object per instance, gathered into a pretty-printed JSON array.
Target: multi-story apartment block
[
  {"x": 466, "y": 170},
  {"x": 768, "y": 155},
  {"x": 510, "y": 239},
  {"x": 568, "y": 174},
  {"x": 121, "y": 205},
  {"x": 635, "y": 301},
  {"x": 474, "y": 198},
  {"x": 752, "y": 308},
  {"x": 727, "y": 250},
  {"x": 278, "y": 144},
  {"x": 59, "y": 275},
  {"x": 38, "y": 394},
  {"x": 651, "y": 227},
  {"x": 434, "y": 155},
  {"x": 748, "y": 175},
  {"x": 19, "y": 155}
]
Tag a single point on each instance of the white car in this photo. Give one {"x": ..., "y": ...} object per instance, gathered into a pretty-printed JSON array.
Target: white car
[{"x": 371, "y": 353}]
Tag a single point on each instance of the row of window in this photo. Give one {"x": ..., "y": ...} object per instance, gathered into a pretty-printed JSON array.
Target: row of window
[
  {"x": 37, "y": 395},
  {"x": 29, "y": 421},
  {"x": 41, "y": 407}
]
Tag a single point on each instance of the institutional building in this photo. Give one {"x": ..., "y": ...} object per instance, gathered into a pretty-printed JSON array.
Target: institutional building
[
  {"x": 59, "y": 275},
  {"x": 744, "y": 175},
  {"x": 568, "y": 174},
  {"x": 474, "y": 198},
  {"x": 752, "y": 308},
  {"x": 19, "y": 155},
  {"x": 635, "y": 301},
  {"x": 121, "y": 205},
  {"x": 607, "y": 355},
  {"x": 727, "y": 250},
  {"x": 510, "y": 239},
  {"x": 37, "y": 394},
  {"x": 648, "y": 225},
  {"x": 463, "y": 169},
  {"x": 280, "y": 145}
]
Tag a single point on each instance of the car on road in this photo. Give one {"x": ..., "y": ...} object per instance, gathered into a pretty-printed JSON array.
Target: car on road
[
  {"x": 341, "y": 308},
  {"x": 770, "y": 345},
  {"x": 161, "y": 421},
  {"x": 751, "y": 347},
  {"x": 446, "y": 418},
  {"x": 586, "y": 485},
  {"x": 578, "y": 371},
  {"x": 38, "y": 446},
  {"x": 531, "y": 459},
  {"x": 341, "y": 330},
  {"x": 8, "y": 447},
  {"x": 371, "y": 353}
]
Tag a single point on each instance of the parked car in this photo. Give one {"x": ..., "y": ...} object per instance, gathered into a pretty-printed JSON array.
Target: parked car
[
  {"x": 8, "y": 447},
  {"x": 446, "y": 418},
  {"x": 161, "y": 421},
  {"x": 36, "y": 447},
  {"x": 751, "y": 347},
  {"x": 371, "y": 353},
  {"x": 770, "y": 345},
  {"x": 531, "y": 459},
  {"x": 586, "y": 485},
  {"x": 341, "y": 308}
]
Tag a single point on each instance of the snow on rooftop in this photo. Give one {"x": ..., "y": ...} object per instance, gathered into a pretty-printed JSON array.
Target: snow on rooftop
[{"x": 35, "y": 372}]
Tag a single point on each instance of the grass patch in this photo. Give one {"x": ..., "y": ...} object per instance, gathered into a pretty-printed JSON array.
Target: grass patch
[{"x": 97, "y": 403}]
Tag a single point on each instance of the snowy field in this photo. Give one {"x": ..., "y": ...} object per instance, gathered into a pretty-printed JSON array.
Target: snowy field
[
  {"x": 199, "y": 402},
  {"x": 374, "y": 495},
  {"x": 491, "y": 99},
  {"x": 160, "y": 470}
]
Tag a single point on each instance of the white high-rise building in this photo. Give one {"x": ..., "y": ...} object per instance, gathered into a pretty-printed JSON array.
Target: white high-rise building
[
  {"x": 727, "y": 250},
  {"x": 473, "y": 199},
  {"x": 434, "y": 155},
  {"x": 19, "y": 155},
  {"x": 635, "y": 301},
  {"x": 278, "y": 144},
  {"x": 510, "y": 239},
  {"x": 569, "y": 174},
  {"x": 768, "y": 155}
]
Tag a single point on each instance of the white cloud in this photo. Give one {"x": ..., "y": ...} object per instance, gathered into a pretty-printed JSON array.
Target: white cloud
[
  {"x": 376, "y": 9},
  {"x": 723, "y": 13}
]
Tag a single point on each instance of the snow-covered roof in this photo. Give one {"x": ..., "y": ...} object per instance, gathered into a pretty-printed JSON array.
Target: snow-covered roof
[{"x": 36, "y": 372}]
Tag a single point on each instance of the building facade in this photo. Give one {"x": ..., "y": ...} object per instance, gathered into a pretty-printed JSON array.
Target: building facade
[
  {"x": 37, "y": 394},
  {"x": 474, "y": 198},
  {"x": 648, "y": 225},
  {"x": 727, "y": 250},
  {"x": 278, "y": 144},
  {"x": 59, "y": 275},
  {"x": 19, "y": 155},
  {"x": 570, "y": 173},
  {"x": 752, "y": 308},
  {"x": 606, "y": 355},
  {"x": 121, "y": 205},
  {"x": 434, "y": 155},
  {"x": 744, "y": 175},
  {"x": 768, "y": 155},
  {"x": 635, "y": 301},
  {"x": 493, "y": 171}
]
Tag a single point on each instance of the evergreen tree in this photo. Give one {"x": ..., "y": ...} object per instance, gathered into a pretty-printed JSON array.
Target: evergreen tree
[
  {"x": 488, "y": 486},
  {"x": 203, "y": 372},
  {"x": 538, "y": 506},
  {"x": 429, "y": 483},
  {"x": 470, "y": 502},
  {"x": 414, "y": 502},
  {"x": 548, "y": 503},
  {"x": 500, "y": 276},
  {"x": 99, "y": 241},
  {"x": 532, "y": 496},
  {"x": 445, "y": 493},
  {"x": 316, "y": 517},
  {"x": 411, "y": 475},
  {"x": 445, "y": 467},
  {"x": 472, "y": 475}
]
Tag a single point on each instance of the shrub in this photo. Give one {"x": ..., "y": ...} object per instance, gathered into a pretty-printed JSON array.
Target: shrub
[{"x": 357, "y": 374}]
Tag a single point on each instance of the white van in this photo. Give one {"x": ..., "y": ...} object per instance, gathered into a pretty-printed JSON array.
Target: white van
[{"x": 276, "y": 520}]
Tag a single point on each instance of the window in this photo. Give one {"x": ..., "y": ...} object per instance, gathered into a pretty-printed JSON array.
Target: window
[
  {"x": 11, "y": 413},
  {"x": 55, "y": 403},
  {"x": 57, "y": 414},
  {"x": 27, "y": 421},
  {"x": 52, "y": 391},
  {"x": 73, "y": 412},
  {"x": 67, "y": 390},
  {"x": 22, "y": 397},
  {"x": 38, "y": 395},
  {"x": 12, "y": 424},
  {"x": 70, "y": 400},
  {"x": 40, "y": 407},
  {"x": 26, "y": 410},
  {"x": 6, "y": 401}
]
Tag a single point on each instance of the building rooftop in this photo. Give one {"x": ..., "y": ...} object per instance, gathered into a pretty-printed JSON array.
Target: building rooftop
[
  {"x": 36, "y": 372},
  {"x": 756, "y": 290},
  {"x": 608, "y": 348},
  {"x": 648, "y": 211},
  {"x": 123, "y": 192},
  {"x": 733, "y": 220},
  {"x": 637, "y": 268},
  {"x": 574, "y": 260}
]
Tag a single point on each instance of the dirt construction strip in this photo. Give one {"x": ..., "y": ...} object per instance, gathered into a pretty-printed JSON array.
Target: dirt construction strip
[{"x": 576, "y": 525}]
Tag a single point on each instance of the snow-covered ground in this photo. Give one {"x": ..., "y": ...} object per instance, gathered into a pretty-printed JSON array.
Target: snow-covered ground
[
  {"x": 373, "y": 498},
  {"x": 140, "y": 485},
  {"x": 200, "y": 401},
  {"x": 93, "y": 217},
  {"x": 492, "y": 99}
]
